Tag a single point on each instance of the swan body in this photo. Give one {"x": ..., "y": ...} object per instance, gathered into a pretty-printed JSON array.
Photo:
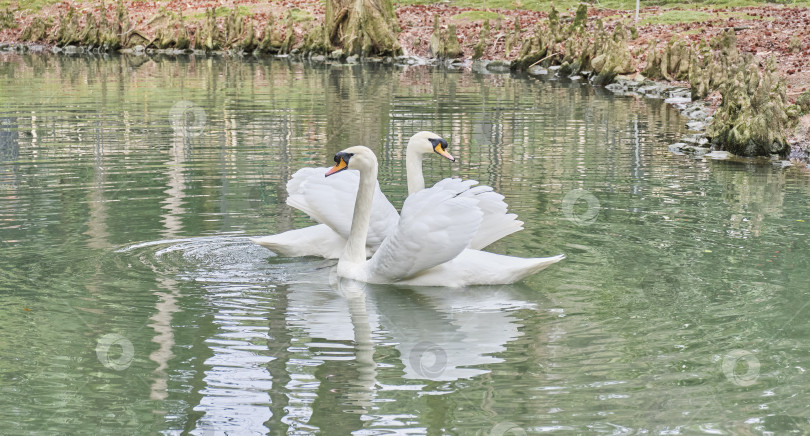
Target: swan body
[
  {"x": 496, "y": 222},
  {"x": 325, "y": 200},
  {"x": 429, "y": 244}
]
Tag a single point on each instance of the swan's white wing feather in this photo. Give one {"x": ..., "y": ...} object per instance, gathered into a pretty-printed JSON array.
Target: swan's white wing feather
[
  {"x": 496, "y": 222},
  {"x": 330, "y": 201},
  {"x": 436, "y": 225},
  {"x": 318, "y": 240}
]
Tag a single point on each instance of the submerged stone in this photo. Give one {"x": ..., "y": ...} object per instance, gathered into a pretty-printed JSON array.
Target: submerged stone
[
  {"x": 696, "y": 126},
  {"x": 498, "y": 67},
  {"x": 537, "y": 70}
]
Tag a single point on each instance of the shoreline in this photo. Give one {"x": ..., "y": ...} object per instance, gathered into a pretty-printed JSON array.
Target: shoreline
[{"x": 610, "y": 53}]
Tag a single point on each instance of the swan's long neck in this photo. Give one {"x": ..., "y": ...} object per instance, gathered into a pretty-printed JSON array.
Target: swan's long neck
[
  {"x": 413, "y": 171},
  {"x": 355, "y": 251}
]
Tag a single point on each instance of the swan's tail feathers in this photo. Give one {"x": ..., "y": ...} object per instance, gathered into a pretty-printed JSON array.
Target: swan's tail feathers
[
  {"x": 319, "y": 240},
  {"x": 515, "y": 269},
  {"x": 539, "y": 264},
  {"x": 496, "y": 223},
  {"x": 495, "y": 227}
]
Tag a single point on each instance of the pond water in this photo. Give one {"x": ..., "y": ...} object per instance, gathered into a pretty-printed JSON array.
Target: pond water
[{"x": 133, "y": 302}]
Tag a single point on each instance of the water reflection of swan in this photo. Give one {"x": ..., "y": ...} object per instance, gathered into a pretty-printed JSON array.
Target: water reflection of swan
[{"x": 441, "y": 334}]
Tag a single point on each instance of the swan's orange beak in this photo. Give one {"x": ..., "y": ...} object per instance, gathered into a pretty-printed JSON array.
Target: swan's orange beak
[
  {"x": 340, "y": 166},
  {"x": 441, "y": 149}
]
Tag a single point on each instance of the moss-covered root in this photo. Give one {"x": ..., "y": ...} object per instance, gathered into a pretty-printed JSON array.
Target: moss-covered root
[
  {"x": 754, "y": 118},
  {"x": 436, "y": 44},
  {"x": 535, "y": 48},
  {"x": 122, "y": 27},
  {"x": 248, "y": 41},
  {"x": 803, "y": 103},
  {"x": 316, "y": 40},
  {"x": 289, "y": 31},
  {"x": 580, "y": 18},
  {"x": 89, "y": 35},
  {"x": 362, "y": 27},
  {"x": 37, "y": 31},
  {"x": 483, "y": 41},
  {"x": 615, "y": 58},
  {"x": 513, "y": 37},
  {"x": 173, "y": 34},
  {"x": 444, "y": 43},
  {"x": 540, "y": 46},
  {"x": 108, "y": 36},
  {"x": 233, "y": 29},
  {"x": 208, "y": 37},
  {"x": 68, "y": 31},
  {"x": 7, "y": 20},
  {"x": 272, "y": 38},
  {"x": 672, "y": 63}
]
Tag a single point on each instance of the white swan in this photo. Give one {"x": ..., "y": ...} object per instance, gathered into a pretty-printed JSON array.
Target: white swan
[
  {"x": 428, "y": 246},
  {"x": 330, "y": 203}
]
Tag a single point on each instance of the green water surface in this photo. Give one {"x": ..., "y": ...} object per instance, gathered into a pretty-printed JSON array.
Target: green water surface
[{"x": 133, "y": 302}]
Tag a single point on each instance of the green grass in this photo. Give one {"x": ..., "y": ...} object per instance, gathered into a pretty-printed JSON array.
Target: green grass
[
  {"x": 26, "y": 5},
  {"x": 679, "y": 16},
  {"x": 692, "y": 16},
  {"x": 298, "y": 15},
  {"x": 478, "y": 16}
]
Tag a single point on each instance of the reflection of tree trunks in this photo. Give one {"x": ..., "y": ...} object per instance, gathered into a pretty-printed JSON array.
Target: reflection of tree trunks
[
  {"x": 362, "y": 27},
  {"x": 97, "y": 222},
  {"x": 357, "y": 109},
  {"x": 164, "y": 337},
  {"x": 279, "y": 346}
]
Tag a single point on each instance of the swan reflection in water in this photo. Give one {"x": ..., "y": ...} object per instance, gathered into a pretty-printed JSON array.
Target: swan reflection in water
[
  {"x": 333, "y": 346},
  {"x": 441, "y": 334}
]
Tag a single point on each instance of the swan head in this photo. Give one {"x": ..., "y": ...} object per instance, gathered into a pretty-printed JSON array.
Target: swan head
[
  {"x": 429, "y": 142},
  {"x": 354, "y": 158}
]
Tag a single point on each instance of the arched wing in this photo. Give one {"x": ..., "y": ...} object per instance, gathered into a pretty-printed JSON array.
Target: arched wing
[
  {"x": 496, "y": 223},
  {"x": 436, "y": 225},
  {"x": 330, "y": 201}
]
